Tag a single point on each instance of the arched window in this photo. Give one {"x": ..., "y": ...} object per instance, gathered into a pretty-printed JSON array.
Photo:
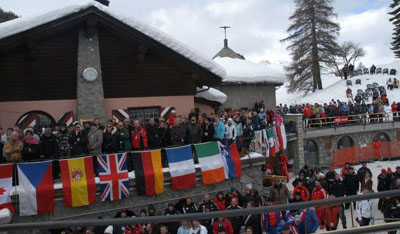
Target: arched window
[
  {"x": 311, "y": 153},
  {"x": 345, "y": 142},
  {"x": 382, "y": 137},
  {"x": 36, "y": 120}
]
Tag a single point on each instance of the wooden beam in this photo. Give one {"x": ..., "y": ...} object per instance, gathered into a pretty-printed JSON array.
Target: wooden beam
[{"x": 275, "y": 177}]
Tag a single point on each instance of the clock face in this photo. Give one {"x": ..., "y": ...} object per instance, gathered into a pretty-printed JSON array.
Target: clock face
[{"x": 90, "y": 74}]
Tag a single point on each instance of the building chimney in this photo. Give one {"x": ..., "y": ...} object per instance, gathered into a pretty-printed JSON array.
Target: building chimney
[
  {"x": 225, "y": 42},
  {"x": 104, "y": 2}
]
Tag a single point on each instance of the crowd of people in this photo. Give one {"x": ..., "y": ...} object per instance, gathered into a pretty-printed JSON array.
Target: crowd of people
[
  {"x": 309, "y": 185},
  {"x": 93, "y": 138}
]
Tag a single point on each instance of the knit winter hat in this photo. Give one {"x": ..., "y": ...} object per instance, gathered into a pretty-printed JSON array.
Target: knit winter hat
[{"x": 383, "y": 171}]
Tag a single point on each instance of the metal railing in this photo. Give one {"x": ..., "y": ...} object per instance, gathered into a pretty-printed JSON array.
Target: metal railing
[{"x": 207, "y": 215}]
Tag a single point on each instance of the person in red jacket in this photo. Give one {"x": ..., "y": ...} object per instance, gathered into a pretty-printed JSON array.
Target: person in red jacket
[
  {"x": 332, "y": 215},
  {"x": 139, "y": 137},
  {"x": 171, "y": 118},
  {"x": 305, "y": 195},
  {"x": 377, "y": 148},
  {"x": 223, "y": 222},
  {"x": 345, "y": 169},
  {"x": 283, "y": 160},
  {"x": 319, "y": 193},
  {"x": 307, "y": 114},
  {"x": 220, "y": 201}
]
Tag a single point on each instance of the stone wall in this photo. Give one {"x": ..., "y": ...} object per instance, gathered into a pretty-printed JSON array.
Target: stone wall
[
  {"x": 245, "y": 95},
  {"x": 251, "y": 174}
]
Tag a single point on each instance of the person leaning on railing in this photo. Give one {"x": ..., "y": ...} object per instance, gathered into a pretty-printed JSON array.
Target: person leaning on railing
[{"x": 13, "y": 148}]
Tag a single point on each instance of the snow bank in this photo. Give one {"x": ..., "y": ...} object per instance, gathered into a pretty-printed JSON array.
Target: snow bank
[
  {"x": 211, "y": 95},
  {"x": 25, "y": 23},
  {"x": 244, "y": 71},
  {"x": 335, "y": 88}
]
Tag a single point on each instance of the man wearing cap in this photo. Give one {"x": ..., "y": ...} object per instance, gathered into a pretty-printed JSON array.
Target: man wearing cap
[
  {"x": 351, "y": 184},
  {"x": 230, "y": 133},
  {"x": 79, "y": 142},
  {"x": 173, "y": 226},
  {"x": 48, "y": 145},
  {"x": 95, "y": 139}
]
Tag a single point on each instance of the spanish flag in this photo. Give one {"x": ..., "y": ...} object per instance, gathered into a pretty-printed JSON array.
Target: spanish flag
[
  {"x": 148, "y": 172},
  {"x": 79, "y": 185}
]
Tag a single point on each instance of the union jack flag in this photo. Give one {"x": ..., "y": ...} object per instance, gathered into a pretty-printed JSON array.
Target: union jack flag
[{"x": 114, "y": 179}]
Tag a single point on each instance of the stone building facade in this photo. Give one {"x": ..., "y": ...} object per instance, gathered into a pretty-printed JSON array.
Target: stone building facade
[{"x": 316, "y": 146}]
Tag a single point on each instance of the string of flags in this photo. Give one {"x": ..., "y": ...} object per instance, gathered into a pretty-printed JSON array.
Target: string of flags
[
  {"x": 270, "y": 141},
  {"x": 36, "y": 188}
]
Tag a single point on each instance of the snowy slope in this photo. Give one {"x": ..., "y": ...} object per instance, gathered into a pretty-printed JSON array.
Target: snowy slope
[
  {"x": 376, "y": 170},
  {"x": 335, "y": 88}
]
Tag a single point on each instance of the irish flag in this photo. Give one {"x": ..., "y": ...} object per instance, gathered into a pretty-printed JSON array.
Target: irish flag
[
  {"x": 181, "y": 167},
  {"x": 79, "y": 185},
  {"x": 211, "y": 162}
]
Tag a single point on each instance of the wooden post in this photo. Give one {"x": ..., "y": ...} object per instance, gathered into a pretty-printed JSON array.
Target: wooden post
[{"x": 351, "y": 212}]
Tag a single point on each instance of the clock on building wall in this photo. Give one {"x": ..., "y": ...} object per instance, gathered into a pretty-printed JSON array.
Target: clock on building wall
[{"x": 90, "y": 74}]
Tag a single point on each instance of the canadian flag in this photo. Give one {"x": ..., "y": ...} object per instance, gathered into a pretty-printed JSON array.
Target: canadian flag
[{"x": 6, "y": 173}]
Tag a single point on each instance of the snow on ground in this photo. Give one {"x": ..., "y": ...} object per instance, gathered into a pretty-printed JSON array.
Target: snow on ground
[
  {"x": 335, "y": 88},
  {"x": 376, "y": 170}
]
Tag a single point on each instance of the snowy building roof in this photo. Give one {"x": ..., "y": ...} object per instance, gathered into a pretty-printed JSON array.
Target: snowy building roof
[
  {"x": 26, "y": 23},
  {"x": 245, "y": 72},
  {"x": 211, "y": 94},
  {"x": 228, "y": 52}
]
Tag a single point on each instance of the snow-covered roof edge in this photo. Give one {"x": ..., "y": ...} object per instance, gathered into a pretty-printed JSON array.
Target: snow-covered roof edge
[
  {"x": 22, "y": 24},
  {"x": 247, "y": 72},
  {"x": 211, "y": 94}
]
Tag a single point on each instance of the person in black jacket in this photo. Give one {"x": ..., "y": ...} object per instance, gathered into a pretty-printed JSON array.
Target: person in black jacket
[
  {"x": 189, "y": 206},
  {"x": 208, "y": 130},
  {"x": 193, "y": 132},
  {"x": 381, "y": 186},
  {"x": 253, "y": 221},
  {"x": 172, "y": 227},
  {"x": 48, "y": 145},
  {"x": 79, "y": 142},
  {"x": 351, "y": 184},
  {"x": 207, "y": 202},
  {"x": 363, "y": 169},
  {"x": 109, "y": 140},
  {"x": 337, "y": 189},
  {"x": 153, "y": 138},
  {"x": 251, "y": 195},
  {"x": 165, "y": 135},
  {"x": 236, "y": 221}
]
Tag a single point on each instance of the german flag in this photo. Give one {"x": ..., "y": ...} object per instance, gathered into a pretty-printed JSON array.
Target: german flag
[{"x": 148, "y": 172}]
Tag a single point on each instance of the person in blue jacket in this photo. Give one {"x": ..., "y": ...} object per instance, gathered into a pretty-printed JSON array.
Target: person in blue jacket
[
  {"x": 309, "y": 221},
  {"x": 219, "y": 128}
]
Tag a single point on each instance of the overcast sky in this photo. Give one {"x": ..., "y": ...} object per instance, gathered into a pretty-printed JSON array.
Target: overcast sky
[{"x": 257, "y": 25}]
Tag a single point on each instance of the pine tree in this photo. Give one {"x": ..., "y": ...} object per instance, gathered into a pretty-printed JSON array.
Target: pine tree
[
  {"x": 313, "y": 37},
  {"x": 395, "y": 19},
  {"x": 6, "y": 15}
]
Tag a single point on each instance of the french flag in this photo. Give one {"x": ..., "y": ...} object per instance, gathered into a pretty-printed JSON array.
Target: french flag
[
  {"x": 36, "y": 189},
  {"x": 231, "y": 157},
  {"x": 181, "y": 167}
]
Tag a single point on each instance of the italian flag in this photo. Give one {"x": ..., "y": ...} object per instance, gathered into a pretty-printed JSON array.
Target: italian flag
[
  {"x": 280, "y": 130},
  {"x": 211, "y": 162},
  {"x": 270, "y": 136}
]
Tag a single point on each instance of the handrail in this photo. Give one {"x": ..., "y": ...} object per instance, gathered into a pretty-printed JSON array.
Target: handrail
[{"x": 196, "y": 216}]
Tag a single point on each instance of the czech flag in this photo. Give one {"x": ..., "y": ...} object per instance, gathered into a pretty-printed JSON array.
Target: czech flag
[
  {"x": 79, "y": 185},
  {"x": 36, "y": 189},
  {"x": 181, "y": 167},
  {"x": 148, "y": 172},
  {"x": 6, "y": 175}
]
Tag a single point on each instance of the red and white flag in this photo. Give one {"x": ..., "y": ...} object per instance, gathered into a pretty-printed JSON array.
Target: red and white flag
[{"x": 6, "y": 173}]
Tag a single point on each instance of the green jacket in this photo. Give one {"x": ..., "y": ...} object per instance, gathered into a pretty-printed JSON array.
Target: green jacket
[{"x": 123, "y": 140}]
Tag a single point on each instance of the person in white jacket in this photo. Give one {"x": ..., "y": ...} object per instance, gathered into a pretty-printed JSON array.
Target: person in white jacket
[
  {"x": 230, "y": 133},
  {"x": 197, "y": 228},
  {"x": 364, "y": 210}
]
